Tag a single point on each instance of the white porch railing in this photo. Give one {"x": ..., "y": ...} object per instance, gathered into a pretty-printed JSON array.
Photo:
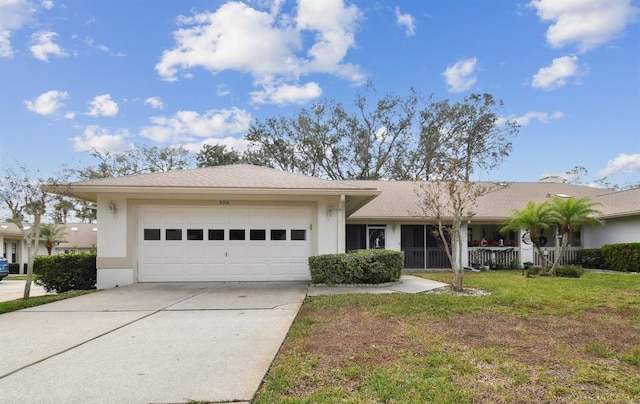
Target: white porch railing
[
  {"x": 570, "y": 255},
  {"x": 480, "y": 256}
]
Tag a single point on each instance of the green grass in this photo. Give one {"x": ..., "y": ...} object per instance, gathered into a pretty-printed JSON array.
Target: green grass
[
  {"x": 19, "y": 304},
  {"x": 19, "y": 277},
  {"x": 542, "y": 339}
]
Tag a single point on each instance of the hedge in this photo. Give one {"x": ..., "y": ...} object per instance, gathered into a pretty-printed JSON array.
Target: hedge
[
  {"x": 65, "y": 272},
  {"x": 590, "y": 258},
  {"x": 622, "y": 256},
  {"x": 359, "y": 267}
]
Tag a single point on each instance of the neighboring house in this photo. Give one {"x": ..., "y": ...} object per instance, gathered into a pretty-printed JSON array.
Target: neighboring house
[
  {"x": 78, "y": 237},
  {"x": 11, "y": 238},
  {"x": 250, "y": 223}
]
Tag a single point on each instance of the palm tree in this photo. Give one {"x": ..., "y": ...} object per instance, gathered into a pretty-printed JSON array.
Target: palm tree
[
  {"x": 535, "y": 217},
  {"x": 62, "y": 210},
  {"x": 51, "y": 233},
  {"x": 569, "y": 214}
]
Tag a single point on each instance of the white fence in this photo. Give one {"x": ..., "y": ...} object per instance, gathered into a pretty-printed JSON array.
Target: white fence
[{"x": 503, "y": 256}]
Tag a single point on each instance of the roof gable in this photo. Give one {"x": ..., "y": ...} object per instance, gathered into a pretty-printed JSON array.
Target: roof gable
[{"x": 236, "y": 176}]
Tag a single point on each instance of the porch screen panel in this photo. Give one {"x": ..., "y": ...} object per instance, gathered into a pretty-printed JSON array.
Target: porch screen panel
[
  {"x": 412, "y": 243},
  {"x": 356, "y": 237}
]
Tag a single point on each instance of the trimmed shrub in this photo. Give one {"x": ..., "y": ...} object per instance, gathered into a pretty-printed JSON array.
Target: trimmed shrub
[
  {"x": 533, "y": 271},
  {"x": 590, "y": 258},
  {"x": 65, "y": 272},
  {"x": 360, "y": 267},
  {"x": 623, "y": 257},
  {"x": 570, "y": 271}
]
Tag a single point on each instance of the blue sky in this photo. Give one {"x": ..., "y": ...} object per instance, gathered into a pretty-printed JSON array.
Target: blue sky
[{"x": 109, "y": 75}]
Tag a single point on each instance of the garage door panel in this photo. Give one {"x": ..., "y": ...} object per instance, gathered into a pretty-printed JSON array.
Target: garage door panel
[
  {"x": 192, "y": 269},
  {"x": 193, "y": 257},
  {"x": 299, "y": 251},
  {"x": 173, "y": 252},
  {"x": 278, "y": 252}
]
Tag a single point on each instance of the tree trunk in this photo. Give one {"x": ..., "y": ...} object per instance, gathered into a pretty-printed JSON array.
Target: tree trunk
[
  {"x": 30, "y": 260},
  {"x": 32, "y": 251},
  {"x": 563, "y": 248}
]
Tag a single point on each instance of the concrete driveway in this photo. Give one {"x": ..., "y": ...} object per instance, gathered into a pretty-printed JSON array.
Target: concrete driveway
[
  {"x": 147, "y": 343},
  {"x": 11, "y": 290}
]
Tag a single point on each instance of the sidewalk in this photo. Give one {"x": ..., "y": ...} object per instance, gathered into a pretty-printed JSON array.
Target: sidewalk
[
  {"x": 14, "y": 289},
  {"x": 407, "y": 284}
]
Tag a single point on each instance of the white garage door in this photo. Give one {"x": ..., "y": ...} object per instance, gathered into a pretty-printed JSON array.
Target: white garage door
[{"x": 225, "y": 243}]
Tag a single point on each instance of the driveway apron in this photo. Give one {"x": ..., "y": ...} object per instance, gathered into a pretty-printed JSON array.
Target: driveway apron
[{"x": 148, "y": 343}]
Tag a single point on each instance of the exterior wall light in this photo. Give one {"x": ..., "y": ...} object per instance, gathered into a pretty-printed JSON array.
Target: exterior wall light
[{"x": 113, "y": 208}]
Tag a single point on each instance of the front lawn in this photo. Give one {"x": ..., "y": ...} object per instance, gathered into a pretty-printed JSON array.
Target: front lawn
[{"x": 533, "y": 340}]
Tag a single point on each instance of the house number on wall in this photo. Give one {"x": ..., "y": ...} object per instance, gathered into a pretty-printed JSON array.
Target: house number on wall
[{"x": 224, "y": 202}]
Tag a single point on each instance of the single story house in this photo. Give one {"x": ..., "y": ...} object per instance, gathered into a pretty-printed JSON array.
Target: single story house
[
  {"x": 78, "y": 237},
  {"x": 251, "y": 223}
]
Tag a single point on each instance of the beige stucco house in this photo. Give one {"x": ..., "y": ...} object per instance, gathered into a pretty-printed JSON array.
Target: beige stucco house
[
  {"x": 250, "y": 223},
  {"x": 78, "y": 237}
]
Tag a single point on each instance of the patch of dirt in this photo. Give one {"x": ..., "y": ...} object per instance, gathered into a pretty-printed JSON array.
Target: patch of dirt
[
  {"x": 448, "y": 290},
  {"x": 542, "y": 348}
]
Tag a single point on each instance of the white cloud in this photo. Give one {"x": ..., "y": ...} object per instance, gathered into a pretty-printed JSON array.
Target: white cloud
[
  {"x": 189, "y": 126},
  {"x": 624, "y": 163},
  {"x": 154, "y": 102},
  {"x": 5, "y": 44},
  {"x": 47, "y": 103},
  {"x": 268, "y": 45},
  {"x": 407, "y": 21},
  {"x": 42, "y": 46},
  {"x": 526, "y": 119},
  {"x": 286, "y": 94},
  {"x": 100, "y": 139},
  {"x": 222, "y": 90},
  {"x": 334, "y": 26},
  {"x": 459, "y": 77},
  {"x": 558, "y": 73},
  {"x": 14, "y": 14},
  {"x": 47, "y": 4},
  {"x": 103, "y": 105},
  {"x": 92, "y": 44},
  {"x": 585, "y": 23}
]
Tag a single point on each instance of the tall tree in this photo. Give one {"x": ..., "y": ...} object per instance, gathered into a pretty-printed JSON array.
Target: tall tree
[
  {"x": 62, "y": 209},
  {"x": 52, "y": 233},
  {"x": 217, "y": 155},
  {"x": 369, "y": 140},
  {"x": 166, "y": 159},
  {"x": 27, "y": 200},
  {"x": 135, "y": 161},
  {"x": 468, "y": 138},
  {"x": 569, "y": 214},
  {"x": 86, "y": 211},
  {"x": 535, "y": 218}
]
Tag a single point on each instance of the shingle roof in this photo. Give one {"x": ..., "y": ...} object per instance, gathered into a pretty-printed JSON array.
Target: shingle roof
[
  {"x": 80, "y": 235},
  {"x": 238, "y": 179},
  {"x": 237, "y": 176},
  {"x": 400, "y": 200},
  {"x": 10, "y": 230},
  {"x": 620, "y": 203}
]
